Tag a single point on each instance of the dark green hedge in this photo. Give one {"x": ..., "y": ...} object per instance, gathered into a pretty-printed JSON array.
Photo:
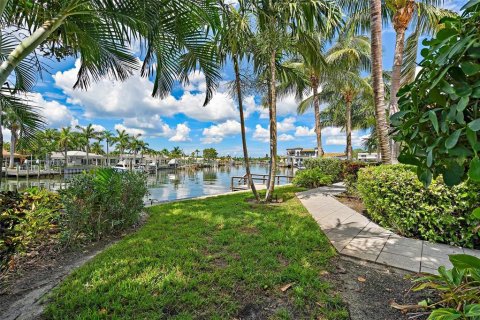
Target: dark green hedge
[{"x": 395, "y": 199}]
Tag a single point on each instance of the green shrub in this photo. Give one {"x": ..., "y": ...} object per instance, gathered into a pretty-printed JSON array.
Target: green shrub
[
  {"x": 27, "y": 220},
  {"x": 101, "y": 202},
  {"x": 396, "y": 199},
  {"x": 456, "y": 289},
  {"x": 350, "y": 175},
  {"x": 312, "y": 178},
  {"x": 328, "y": 166}
]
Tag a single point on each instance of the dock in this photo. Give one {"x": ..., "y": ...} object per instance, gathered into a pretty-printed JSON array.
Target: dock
[{"x": 238, "y": 183}]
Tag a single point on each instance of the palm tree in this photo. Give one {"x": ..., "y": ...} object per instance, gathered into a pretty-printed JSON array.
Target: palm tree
[
  {"x": 196, "y": 152},
  {"x": 65, "y": 140},
  {"x": 377, "y": 79},
  {"x": 176, "y": 152},
  {"x": 307, "y": 67},
  {"x": 278, "y": 25},
  {"x": 122, "y": 141},
  {"x": 349, "y": 98},
  {"x": 233, "y": 38},
  {"x": 87, "y": 133},
  {"x": 23, "y": 120},
  {"x": 110, "y": 140},
  {"x": 97, "y": 148}
]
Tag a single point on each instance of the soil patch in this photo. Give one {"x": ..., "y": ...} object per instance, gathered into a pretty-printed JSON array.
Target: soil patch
[
  {"x": 353, "y": 203},
  {"x": 369, "y": 290}
]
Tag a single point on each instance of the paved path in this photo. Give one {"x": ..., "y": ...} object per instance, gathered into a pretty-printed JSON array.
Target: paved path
[{"x": 356, "y": 236}]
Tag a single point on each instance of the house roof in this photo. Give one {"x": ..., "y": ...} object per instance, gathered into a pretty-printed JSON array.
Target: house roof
[
  {"x": 6, "y": 153},
  {"x": 75, "y": 153}
]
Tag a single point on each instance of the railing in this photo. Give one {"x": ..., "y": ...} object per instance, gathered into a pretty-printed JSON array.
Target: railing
[{"x": 241, "y": 183}]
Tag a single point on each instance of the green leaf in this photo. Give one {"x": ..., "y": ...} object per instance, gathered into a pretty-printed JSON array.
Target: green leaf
[
  {"x": 433, "y": 119},
  {"x": 476, "y": 213},
  {"x": 470, "y": 68},
  {"x": 472, "y": 137},
  {"x": 474, "y": 125},
  {"x": 429, "y": 158},
  {"x": 462, "y": 104},
  {"x": 464, "y": 261},
  {"x": 453, "y": 139},
  {"x": 425, "y": 176},
  {"x": 444, "y": 314},
  {"x": 453, "y": 174},
  {"x": 470, "y": 4},
  {"x": 474, "y": 170},
  {"x": 472, "y": 310}
]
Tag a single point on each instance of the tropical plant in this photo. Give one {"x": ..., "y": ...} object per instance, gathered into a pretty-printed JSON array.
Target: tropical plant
[
  {"x": 233, "y": 38},
  {"x": 438, "y": 121},
  {"x": 122, "y": 139},
  {"x": 377, "y": 80},
  {"x": 97, "y": 148},
  {"x": 279, "y": 24},
  {"x": 176, "y": 152},
  {"x": 457, "y": 289},
  {"x": 328, "y": 166},
  {"x": 312, "y": 178},
  {"x": 109, "y": 142},
  {"x": 64, "y": 141},
  {"x": 87, "y": 133},
  {"x": 210, "y": 153},
  {"x": 23, "y": 120}
]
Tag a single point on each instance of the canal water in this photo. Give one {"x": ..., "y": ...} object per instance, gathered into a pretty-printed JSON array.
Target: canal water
[{"x": 168, "y": 184}]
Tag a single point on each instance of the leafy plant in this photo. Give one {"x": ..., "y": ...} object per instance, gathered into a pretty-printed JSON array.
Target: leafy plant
[
  {"x": 312, "y": 178},
  {"x": 397, "y": 200},
  {"x": 350, "y": 175},
  {"x": 458, "y": 289},
  {"x": 438, "y": 121},
  {"x": 101, "y": 202},
  {"x": 328, "y": 166},
  {"x": 10, "y": 217}
]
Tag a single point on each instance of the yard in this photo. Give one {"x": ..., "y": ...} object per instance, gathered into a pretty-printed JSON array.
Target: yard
[{"x": 215, "y": 258}]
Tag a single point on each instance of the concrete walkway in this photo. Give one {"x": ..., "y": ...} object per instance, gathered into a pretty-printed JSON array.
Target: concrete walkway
[{"x": 356, "y": 236}]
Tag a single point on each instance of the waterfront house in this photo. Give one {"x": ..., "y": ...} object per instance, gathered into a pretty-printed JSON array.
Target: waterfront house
[
  {"x": 296, "y": 156},
  {"x": 77, "y": 158}
]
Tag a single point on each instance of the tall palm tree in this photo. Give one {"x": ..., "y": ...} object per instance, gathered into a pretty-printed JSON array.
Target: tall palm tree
[
  {"x": 349, "y": 98},
  {"x": 122, "y": 141},
  {"x": 87, "y": 133},
  {"x": 109, "y": 141},
  {"x": 308, "y": 65},
  {"x": 233, "y": 37},
  {"x": 278, "y": 25},
  {"x": 377, "y": 78},
  {"x": 64, "y": 141}
]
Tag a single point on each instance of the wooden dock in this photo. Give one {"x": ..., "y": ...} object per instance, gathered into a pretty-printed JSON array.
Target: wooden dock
[{"x": 238, "y": 183}]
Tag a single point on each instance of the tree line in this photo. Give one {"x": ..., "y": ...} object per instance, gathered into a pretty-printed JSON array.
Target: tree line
[{"x": 318, "y": 49}]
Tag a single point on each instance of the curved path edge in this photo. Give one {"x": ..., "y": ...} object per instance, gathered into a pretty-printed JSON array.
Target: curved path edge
[{"x": 354, "y": 235}]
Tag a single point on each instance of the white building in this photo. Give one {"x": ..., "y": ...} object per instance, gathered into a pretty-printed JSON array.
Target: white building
[
  {"x": 295, "y": 156},
  {"x": 368, "y": 157},
  {"x": 77, "y": 158}
]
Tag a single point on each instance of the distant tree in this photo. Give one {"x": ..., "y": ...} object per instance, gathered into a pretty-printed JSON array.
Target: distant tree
[
  {"x": 176, "y": 152},
  {"x": 64, "y": 141},
  {"x": 210, "y": 153},
  {"x": 87, "y": 133}
]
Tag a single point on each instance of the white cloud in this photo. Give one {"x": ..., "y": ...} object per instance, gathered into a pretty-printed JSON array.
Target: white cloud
[
  {"x": 130, "y": 131},
  {"x": 56, "y": 114},
  {"x": 132, "y": 98},
  {"x": 216, "y": 133},
  {"x": 285, "y": 137},
  {"x": 182, "y": 133},
  {"x": 303, "y": 131},
  {"x": 287, "y": 124},
  {"x": 7, "y": 134},
  {"x": 285, "y": 106},
  {"x": 261, "y": 134},
  {"x": 335, "y": 136}
]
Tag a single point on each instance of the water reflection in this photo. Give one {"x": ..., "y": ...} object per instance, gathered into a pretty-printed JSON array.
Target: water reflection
[{"x": 168, "y": 184}]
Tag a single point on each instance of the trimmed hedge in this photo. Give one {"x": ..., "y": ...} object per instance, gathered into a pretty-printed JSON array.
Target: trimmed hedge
[
  {"x": 312, "y": 178},
  {"x": 396, "y": 199},
  {"x": 328, "y": 166}
]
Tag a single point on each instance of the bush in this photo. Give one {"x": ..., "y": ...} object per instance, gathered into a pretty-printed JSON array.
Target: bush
[
  {"x": 27, "y": 220},
  {"x": 102, "y": 202},
  {"x": 312, "y": 178},
  {"x": 328, "y": 166},
  {"x": 395, "y": 198},
  {"x": 350, "y": 175}
]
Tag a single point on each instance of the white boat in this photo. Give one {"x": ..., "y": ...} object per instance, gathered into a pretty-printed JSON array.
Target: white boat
[{"x": 123, "y": 166}]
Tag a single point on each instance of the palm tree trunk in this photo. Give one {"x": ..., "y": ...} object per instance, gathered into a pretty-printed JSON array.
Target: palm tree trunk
[
  {"x": 377, "y": 76},
  {"x": 349, "y": 130},
  {"x": 87, "y": 153},
  {"x": 273, "y": 127},
  {"x": 242, "y": 127},
  {"x": 66, "y": 156},
  {"x": 318, "y": 122},
  {"x": 12, "y": 149},
  {"x": 108, "y": 156},
  {"x": 1, "y": 150}
]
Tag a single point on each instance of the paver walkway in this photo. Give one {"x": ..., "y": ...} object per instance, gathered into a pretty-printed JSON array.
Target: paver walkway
[{"x": 356, "y": 236}]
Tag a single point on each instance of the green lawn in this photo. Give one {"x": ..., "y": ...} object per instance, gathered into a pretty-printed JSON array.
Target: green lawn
[{"x": 218, "y": 258}]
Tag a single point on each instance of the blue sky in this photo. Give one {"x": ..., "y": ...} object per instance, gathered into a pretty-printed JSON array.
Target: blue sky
[{"x": 180, "y": 119}]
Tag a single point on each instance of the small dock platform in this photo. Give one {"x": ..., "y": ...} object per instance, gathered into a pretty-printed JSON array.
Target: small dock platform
[{"x": 238, "y": 183}]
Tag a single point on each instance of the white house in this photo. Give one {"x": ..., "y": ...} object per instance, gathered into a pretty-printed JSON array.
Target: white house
[
  {"x": 368, "y": 157},
  {"x": 295, "y": 156},
  {"x": 77, "y": 158}
]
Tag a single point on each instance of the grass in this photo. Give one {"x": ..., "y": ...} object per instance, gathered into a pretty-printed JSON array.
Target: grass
[{"x": 217, "y": 258}]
